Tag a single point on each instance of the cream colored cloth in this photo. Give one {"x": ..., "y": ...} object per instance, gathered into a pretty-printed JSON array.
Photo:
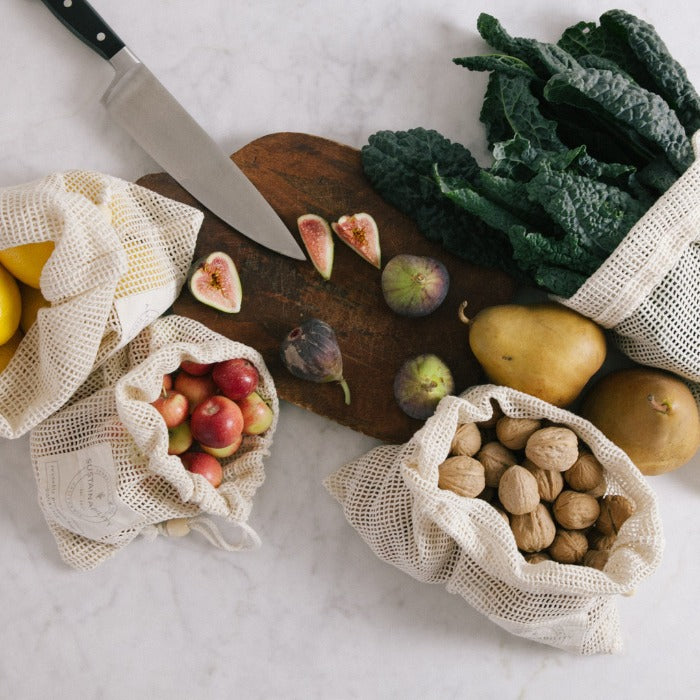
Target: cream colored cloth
[
  {"x": 103, "y": 472},
  {"x": 121, "y": 257},
  {"x": 391, "y": 497},
  {"x": 648, "y": 290}
]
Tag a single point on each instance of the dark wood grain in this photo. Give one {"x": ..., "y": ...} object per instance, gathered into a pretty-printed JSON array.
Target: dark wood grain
[{"x": 298, "y": 174}]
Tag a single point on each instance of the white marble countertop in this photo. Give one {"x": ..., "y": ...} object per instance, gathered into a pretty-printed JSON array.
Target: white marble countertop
[{"x": 312, "y": 613}]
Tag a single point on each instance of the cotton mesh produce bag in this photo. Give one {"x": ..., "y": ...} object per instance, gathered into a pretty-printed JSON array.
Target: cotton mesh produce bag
[
  {"x": 121, "y": 256},
  {"x": 648, "y": 290},
  {"x": 391, "y": 497},
  {"x": 103, "y": 473}
]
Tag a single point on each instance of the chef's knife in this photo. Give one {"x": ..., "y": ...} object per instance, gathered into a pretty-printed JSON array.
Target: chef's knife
[{"x": 160, "y": 125}]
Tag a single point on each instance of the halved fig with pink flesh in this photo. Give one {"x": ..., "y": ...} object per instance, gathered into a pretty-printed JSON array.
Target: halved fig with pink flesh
[
  {"x": 317, "y": 238},
  {"x": 214, "y": 281},
  {"x": 360, "y": 232}
]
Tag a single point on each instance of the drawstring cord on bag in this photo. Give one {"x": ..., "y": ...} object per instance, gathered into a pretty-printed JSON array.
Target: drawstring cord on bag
[{"x": 239, "y": 536}]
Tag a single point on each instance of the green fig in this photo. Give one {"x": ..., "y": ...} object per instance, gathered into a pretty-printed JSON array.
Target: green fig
[
  {"x": 361, "y": 233},
  {"x": 414, "y": 285},
  {"x": 215, "y": 282},
  {"x": 421, "y": 383},
  {"x": 311, "y": 352},
  {"x": 546, "y": 350}
]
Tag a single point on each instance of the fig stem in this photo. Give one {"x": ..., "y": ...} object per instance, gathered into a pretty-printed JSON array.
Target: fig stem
[
  {"x": 462, "y": 316},
  {"x": 346, "y": 390}
]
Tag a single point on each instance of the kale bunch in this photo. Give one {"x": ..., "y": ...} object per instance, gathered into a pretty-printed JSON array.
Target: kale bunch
[{"x": 585, "y": 134}]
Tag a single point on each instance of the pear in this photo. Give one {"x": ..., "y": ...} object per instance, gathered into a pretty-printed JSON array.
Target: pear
[
  {"x": 649, "y": 413},
  {"x": 546, "y": 350}
]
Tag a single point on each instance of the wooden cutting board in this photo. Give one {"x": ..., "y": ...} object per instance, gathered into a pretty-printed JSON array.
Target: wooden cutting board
[{"x": 299, "y": 174}]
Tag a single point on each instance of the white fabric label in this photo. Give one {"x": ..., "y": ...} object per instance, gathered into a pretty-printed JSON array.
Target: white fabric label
[
  {"x": 137, "y": 311},
  {"x": 79, "y": 491}
]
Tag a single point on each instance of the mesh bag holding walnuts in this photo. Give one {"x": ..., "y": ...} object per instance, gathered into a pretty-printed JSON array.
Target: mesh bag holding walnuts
[
  {"x": 648, "y": 290},
  {"x": 392, "y": 498},
  {"x": 121, "y": 254},
  {"x": 101, "y": 463}
]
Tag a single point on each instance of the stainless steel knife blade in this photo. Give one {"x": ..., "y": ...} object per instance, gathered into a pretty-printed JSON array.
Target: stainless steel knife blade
[{"x": 142, "y": 106}]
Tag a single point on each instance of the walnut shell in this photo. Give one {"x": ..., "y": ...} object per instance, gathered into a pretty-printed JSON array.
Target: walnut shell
[
  {"x": 514, "y": 432},
  {"x": 496, "y": 459},
  {"x": 598, "y": 540},
  {"x": 536, "y": 557},
  {"x": 575, "y": 511},
  {"x": 614, "y": 510},
  {"x": 586, "y": 473},
  {"x": 533, "y": 531},
  {"x": 517, "y": 490},
  {"x": 462, "y": 475},
  {"x": 549, "y": 483},
  {"x": 466, "y": 440},
  {"x": 569, "y": 546},
  {"x": 554, "y": 447},
  {"x": 596, "y": 558}
]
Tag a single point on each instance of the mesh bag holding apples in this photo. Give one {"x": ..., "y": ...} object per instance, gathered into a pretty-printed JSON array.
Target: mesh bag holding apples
[
  {"x": 523, "y": 509},
  {"x": 126, "y": 458},
  {"x": 88, "y": 261}
]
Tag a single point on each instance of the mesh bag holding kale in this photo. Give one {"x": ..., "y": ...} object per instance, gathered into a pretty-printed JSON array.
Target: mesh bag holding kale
[
  {"x": 102, "y": 466},
  {"x": 391, "y": 497},
  {"x": 120, "y": 257}
]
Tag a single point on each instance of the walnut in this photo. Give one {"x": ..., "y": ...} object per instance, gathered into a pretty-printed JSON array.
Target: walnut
[
  {"x": 503, "y": 514},
  {"x": 533, "y": 531},
  {"x": 598, "y": 540},
  {"x": 585, "y": 474},
  {"x": 466, "y": 440},
  {"x": 536, "y": 557},
  {"x": 569, "y": 546},
  {"x": 597, "y": 558},
  {"x": 614, "y": 510},
  {"x": 517, "y": 490},
  {"x": 496, "y": 459},
  {"x": 514, "y": 432},
  {"x": 462, "y": 475},
  {"x": 575, "y": 511},
  {"x": 549, "y": 483},
  {"x": 554, "y": 447}
]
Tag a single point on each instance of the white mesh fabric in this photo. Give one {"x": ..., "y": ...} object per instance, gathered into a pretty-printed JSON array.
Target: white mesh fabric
[
  {"x": 648, "y": 290},
  {"x": 151, "y": 487},
  {"x": 391, "y": 497},
  {"x": 121, "y": 256}
]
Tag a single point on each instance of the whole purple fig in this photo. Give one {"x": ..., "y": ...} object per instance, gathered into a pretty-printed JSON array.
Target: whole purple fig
[{"x": 310, "y": 351}]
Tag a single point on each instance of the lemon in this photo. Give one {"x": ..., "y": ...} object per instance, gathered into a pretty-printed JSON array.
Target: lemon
[
  {"x": 10, "y": 305},
  {"x": 7, "y": 350},
  {"x": 32, "y": 301},
  {"x": 25, "y": 262}
]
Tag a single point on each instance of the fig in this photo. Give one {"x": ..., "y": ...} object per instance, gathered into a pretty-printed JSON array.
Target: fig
[
  {"x": 310, "y": 351},
  {"x": 360, "y": 232},
  {"x": 420, "y": 384},
  {"x": 214, "y": 281},
  {"x": 414, "y": 285},
  {"x": 317, "y": 237},
  {"x": 650, "y": 414}
]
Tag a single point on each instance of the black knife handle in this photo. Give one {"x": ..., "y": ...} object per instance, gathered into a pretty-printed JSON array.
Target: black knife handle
[{"x": 87, "y": 25}]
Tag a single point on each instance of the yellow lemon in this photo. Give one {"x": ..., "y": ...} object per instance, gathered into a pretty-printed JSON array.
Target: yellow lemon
[
  {"x": 7, "y": 350},
  {"x": 10, "y": 305},
  {"x": 25, "y": 262},
  {"x": 32, "y": 301}
]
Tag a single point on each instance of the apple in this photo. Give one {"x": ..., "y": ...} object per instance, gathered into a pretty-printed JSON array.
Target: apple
[
  {"x": 236, "y": 378},
  {"x": 205, "y": 464},
  {"x": 167, "y": 382},
  {"x": 257, "y": 415},
  {"x": 223, "y": 452},
  {"x": 196, "y": 369},
  {"x": 216, "y": 421},
  {"x": 173, "y": 406},
  {"x": 179, "y": 439},
  {"x": 195, "y": 388}
]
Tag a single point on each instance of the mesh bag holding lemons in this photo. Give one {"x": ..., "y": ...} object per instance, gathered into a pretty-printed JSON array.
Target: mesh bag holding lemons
[{"x": 86, "y": 262}]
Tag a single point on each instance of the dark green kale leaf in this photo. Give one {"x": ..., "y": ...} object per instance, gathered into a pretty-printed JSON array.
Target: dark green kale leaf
[
  {"x": 667, "y": 77},
  {"x": 509, "y": 65},
  {"x": 400, "y": 167},
  {"x": 614, "y": 97}
]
